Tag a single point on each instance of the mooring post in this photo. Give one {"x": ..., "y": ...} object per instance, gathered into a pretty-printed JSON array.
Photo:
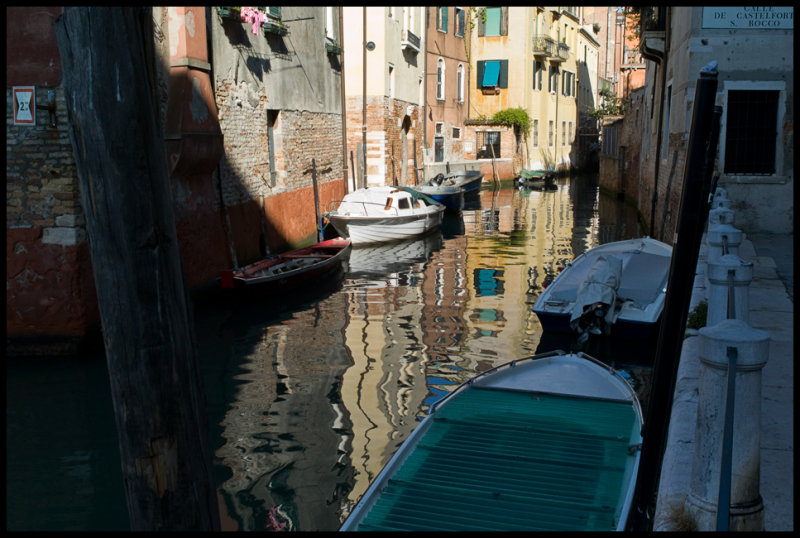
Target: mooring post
[
  {"x": 751, "y": 347},
  {"x": 722, "y": 239},
  {"x": 693, "y": 213},
  {"x": 720, "y": 215},
  {"x": 728, "y": 271}
]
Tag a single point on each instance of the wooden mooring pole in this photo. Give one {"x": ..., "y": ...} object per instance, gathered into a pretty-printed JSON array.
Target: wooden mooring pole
[
  {"x": 693, "y": 213},
  {"x": 108, "y": 68}
]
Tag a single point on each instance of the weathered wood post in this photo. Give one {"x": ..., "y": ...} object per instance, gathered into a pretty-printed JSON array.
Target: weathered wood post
[
  {"x": 752, "y": 350},
  {"x": 125, "y": 192}
]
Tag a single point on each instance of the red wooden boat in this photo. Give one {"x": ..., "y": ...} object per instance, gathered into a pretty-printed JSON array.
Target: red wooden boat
[{"x": 287, "y": 270}]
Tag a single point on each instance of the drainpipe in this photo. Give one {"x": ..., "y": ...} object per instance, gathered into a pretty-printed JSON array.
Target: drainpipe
[
  {"x": 364, "y": 97},
  {"x": 424, "y": 104},
  {"x": 344, "y": 105}
]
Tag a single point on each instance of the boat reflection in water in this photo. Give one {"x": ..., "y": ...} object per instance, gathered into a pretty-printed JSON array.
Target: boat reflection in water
[{"x": 317, "y": 398}]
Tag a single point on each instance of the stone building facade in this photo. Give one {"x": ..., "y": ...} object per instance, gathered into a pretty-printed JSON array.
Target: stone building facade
[{"x": 250, "y": 118}]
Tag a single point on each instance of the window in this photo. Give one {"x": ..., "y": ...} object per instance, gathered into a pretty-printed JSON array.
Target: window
[
  {"x": 488, "y": 142},
  {"x": 456, "y": 133},
  {"x": 563, "y": 133},
  {"x": 460, "y": 20},
  {"x": 441, "y": 19},
  {"x": 536, "y": 133},
  {"x": 491, "y": 73},
  {"x": 497, "y": 75},
  {"x": 438, "y": 128},
  {"x": 550, "y": 134},
  {"x": 751, "y": 132},
  {"x": 568, "y": 84},
  {"x": 438, "y": 148},
  {"x": 570, "y": 133},
  {"x": 391, "y": 80},
  {"x": 492, "y": 21},
  {"x": 440, "y": 79},
  {"x": 553, "y": 83},
  {"x": 538, "y": 69},
  {"x": 460, "y": 83},
  {"x": 329, "y": 23}
]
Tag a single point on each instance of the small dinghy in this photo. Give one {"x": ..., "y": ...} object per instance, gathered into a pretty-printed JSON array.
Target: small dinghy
[
  {"x": 618, "y": 288},
  {"x": 547, "y": 443},
  {"x": 444, "y": 191},
  {"x": 286, "y": 271}
]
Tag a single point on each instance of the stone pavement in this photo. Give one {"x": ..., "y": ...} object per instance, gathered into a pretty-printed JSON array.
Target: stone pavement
[{"x": 771, "y": 309}]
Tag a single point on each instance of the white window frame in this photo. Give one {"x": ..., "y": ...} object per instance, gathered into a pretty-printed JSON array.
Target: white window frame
[
  {"x": 460, "y": 83},
  {"x": 440, "y": 74}
]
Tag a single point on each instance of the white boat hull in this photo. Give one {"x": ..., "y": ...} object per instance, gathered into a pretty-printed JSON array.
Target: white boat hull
[{"x": 366, "y": 217}]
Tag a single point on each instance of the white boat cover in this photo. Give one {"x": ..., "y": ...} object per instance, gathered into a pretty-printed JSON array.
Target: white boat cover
[{"x": 600, "y": 286}]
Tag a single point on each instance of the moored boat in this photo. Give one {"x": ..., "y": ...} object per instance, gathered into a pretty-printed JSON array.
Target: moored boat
[
  {"x": 381, "y": 214},
  {"x": 547, "y": 443},
  {"x": 618, "y": 288},
  {"x": 288, "y": 270},
  {"x": 543, "y": 179},
  {"x": 444, "y": 191},
  {"x": 469, "y": 180}
]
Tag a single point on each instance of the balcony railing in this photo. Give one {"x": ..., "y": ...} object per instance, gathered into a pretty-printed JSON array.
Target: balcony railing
[
  {"x": 409, "y": 41},
  {"x": 560, "y": 53},
  {"x": 543, "y": 45}
]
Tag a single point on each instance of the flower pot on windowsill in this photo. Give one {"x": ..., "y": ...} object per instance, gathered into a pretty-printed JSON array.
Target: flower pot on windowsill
[
  {"x": 333, "y": 48},
  {"x": 273, "y": 28},
  {"x": 490, "y": 91}
]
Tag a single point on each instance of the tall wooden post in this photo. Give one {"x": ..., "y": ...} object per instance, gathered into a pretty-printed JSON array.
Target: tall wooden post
[{"x": 159, "y": 406}]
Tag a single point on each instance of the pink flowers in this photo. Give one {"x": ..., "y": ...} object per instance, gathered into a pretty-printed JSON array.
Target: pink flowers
[{"x": 254, "y": 16}]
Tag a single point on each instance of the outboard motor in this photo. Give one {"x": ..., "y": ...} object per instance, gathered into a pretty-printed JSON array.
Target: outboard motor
[
  {"x": 437, "y": 179},
  {"x": 594, "y": 310}
]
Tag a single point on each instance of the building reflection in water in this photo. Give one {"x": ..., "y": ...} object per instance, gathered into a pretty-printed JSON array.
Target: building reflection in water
[{"x": 325, "y": 397}]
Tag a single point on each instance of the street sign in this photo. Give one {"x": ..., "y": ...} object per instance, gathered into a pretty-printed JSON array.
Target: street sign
[{"x": 24, "y": 105}]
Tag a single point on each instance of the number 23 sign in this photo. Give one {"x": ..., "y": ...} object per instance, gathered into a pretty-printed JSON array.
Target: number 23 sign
[{"x": 24, "y": 105}]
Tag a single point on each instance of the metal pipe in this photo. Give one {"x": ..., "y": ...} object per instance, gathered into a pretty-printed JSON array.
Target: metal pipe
[
  {"x": 364, "y": 98},
  {"x": 724, "y": 499},
  {"x": 344, "y": 105}
]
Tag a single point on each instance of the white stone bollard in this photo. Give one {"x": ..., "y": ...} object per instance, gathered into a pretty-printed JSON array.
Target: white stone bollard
[
  {"x": 752, "y": 349},
  {"x": 719, "y": 278},
  {"x": 720, "y": 215},
  {"x": 718, "y": 234},
  {"x": 720, "y": 201},
  {"x": 720, "y": 192}
]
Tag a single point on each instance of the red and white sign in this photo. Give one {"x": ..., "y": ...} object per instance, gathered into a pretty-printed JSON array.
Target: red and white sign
[{"x": 24, "y": 105}]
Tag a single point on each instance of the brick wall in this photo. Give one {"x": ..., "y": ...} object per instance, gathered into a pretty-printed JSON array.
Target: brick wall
[
  {"x": 298, "y": 137},
  {"x": 49, "y": 283}
]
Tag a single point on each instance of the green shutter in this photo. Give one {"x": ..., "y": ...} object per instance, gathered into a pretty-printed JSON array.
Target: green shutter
[
  {"x": 479, "y": 78},
  {"x": 502, "y": 81},
  {"x": 275, "y": 12},
  {"x": 444, "y": 18}
]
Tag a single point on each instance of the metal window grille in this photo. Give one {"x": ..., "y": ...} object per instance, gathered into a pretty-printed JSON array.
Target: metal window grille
[
  {"x": 486, "y": 140},
  {"x": 751, "y": 132}
]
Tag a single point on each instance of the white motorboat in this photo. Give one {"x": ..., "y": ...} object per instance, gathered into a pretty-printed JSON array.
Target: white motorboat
[
  {"x": 618, "y": 288},
  {"x": 381, "y": 214}
]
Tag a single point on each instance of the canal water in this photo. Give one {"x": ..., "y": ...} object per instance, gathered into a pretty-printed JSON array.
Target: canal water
[{"x": 308, "y": 398}]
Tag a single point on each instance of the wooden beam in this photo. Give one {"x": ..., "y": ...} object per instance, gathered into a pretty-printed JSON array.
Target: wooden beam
[{"x": 148, "y": 330}]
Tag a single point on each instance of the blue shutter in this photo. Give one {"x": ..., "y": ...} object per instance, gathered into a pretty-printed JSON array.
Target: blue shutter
[{"x": 491, "y": 73}]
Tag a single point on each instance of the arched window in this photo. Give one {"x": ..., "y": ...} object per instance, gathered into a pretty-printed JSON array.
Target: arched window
[
  {"x": 460, "y": 83},
  {"x": 440, "y": 79}
]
